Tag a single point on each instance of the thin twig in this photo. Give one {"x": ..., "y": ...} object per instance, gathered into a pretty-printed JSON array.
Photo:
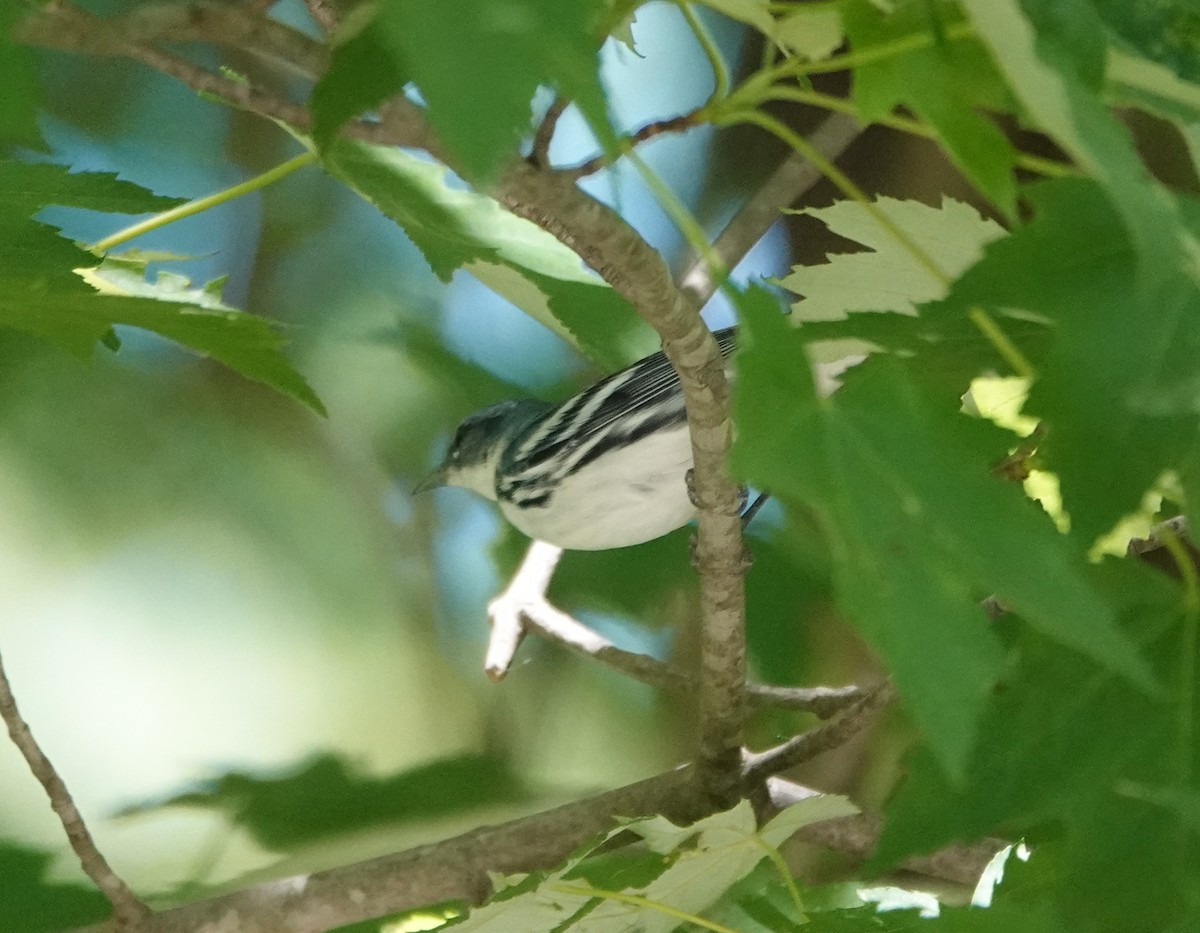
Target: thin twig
[
  {"x": 685, "y": 121},
  {"x": 128, "y": 910},
  {"x": 822, "y": 702},
  {"x": 809, "y": 744},
  {"x": 539, "y": 155},
  {"x": 794, "y": 176},
  {"x": 538, "y": 615}
]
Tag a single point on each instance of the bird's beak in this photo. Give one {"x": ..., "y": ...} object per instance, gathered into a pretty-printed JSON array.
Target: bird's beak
[{"x": 432, "y": 481}]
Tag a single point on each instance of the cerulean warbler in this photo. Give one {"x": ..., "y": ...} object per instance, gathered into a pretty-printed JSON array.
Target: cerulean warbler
[{"x": 604, "y": 469}]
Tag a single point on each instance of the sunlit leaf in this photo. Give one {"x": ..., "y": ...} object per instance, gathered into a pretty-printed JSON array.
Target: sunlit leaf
[
  {"x": 813, "y": 33},
  {"x": 889, "y": 277},
  {"x": 698, "y": 864}
]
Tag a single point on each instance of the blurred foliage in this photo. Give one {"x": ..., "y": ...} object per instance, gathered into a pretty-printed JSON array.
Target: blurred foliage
[
  {"x": 519, "y": 47},
  {"x": 31, "y": 904},
  {"x": 1069, "y": 722},
  {"x": 325, "y": 796}
]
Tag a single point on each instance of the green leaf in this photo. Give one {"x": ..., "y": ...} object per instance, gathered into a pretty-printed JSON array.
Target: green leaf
[
  {"x": 944, "y": 81},
  {"x": 918, "y": 530},
  {"x": 27, "y": 187},
  {"x": 1053, "y": 53},
  {"x": 1164, "y": 31},
  {"x": 362, "y": 72},
  {"x": 76, "y": 318},
  {"x": 813, "y": 33},
  {"x": 324, "y": 797},
  {"x": 459, "y": 229},
  {"x": 618, "y": 20},
  {"x": 1139, "y": 82},
  {"x": 1117, "y": 390},
  {"x": 787, "y": 823},
  {"x": 19, "y": 100},
  {"x": 1057, "y": 766},
  {"x": 889, "y": 278},
  {"x": 697, "y": 865},
  {"x": 32, "y": 904},
  {"x": 480, "y": 109},
  {"x": 861, "y": 302},
  {"x": 42, "y": 288},
  {"x": 754, "y": 13}
]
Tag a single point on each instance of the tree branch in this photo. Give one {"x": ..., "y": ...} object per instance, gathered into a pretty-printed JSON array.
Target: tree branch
[
  {"x": 62, "y": 25},
  {"x": 458, "y": 868},
  {"x": 794, "y": 176},
  {"x": 539, "y": 155},
  {"x": 812, "y": 743},
  {"x": 857, "y": 835},
  {"x": 127, "y": 909}
]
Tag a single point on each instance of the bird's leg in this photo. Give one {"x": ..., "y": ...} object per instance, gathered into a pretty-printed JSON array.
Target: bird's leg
[{"x": 506, "y": 612}]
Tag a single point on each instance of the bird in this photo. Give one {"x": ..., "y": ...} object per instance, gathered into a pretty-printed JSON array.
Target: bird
[{"x": 606, "y": 468}]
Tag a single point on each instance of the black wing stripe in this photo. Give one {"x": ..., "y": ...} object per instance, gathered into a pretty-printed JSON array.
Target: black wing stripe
[{"x": 584, "y": 422}]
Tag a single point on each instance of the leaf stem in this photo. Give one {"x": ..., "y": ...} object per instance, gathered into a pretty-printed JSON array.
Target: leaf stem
[
  {"x": 635, "y": 901},
  {"x": 681, "y": 217},
  {"x": 711, "y": 52},
  {"x": 202, "y": 204},
  {"x": 1187, "y": 668},
  {"x": 1031, "y": 163},
  {"x": 856, "y": 58},
  {"x": 785, "y": 876},
  {"x": 1001, "y": 342}
]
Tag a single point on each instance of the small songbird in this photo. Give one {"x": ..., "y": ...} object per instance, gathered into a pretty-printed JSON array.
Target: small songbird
[{"x": 604, "y": 469}]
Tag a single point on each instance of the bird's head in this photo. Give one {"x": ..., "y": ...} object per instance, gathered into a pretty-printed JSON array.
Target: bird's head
[{"x": 480, "y": 440}]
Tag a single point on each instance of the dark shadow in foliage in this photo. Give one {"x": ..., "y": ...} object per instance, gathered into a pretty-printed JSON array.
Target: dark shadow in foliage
[
  {"x": 30, "y": 904},
  {"x": 325, "y": 797}
]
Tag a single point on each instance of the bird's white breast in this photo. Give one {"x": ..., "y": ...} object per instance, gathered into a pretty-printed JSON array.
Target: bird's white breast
[{"x": 623, "y": 497}]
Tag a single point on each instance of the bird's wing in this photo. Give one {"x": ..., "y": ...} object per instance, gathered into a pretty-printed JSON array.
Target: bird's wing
[{"x": 628, "y": 404}]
